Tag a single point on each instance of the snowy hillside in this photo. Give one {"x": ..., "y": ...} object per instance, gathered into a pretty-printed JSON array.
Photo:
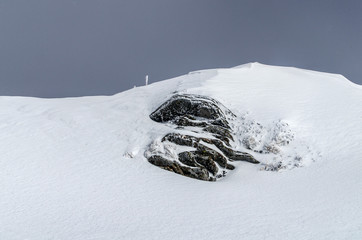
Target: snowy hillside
[{"x": 76, "y": 168}]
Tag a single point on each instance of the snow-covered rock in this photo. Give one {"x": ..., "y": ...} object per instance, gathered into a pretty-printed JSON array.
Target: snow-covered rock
[{"x": 202, "y": 126}]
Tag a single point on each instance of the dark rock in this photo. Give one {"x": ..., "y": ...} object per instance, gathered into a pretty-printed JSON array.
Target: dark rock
[
  {"x": 208, "y": 163},
  {"x": 221, "y": 122},
  {"x": 217, "y": 157},
  {"x": 196, "y": 158},
  {"x": 197, "y": 172},
  {"x": 185, "y": 121},
  {"x": 220, "y": 132},
  {"x": 204, "y": 115},
  {"x": 230, "y": 167},
  {"x": 234, "y": 155},
  {"x": 188, "y": 158},
  {"x": 192, "y": 141},
  {"x": 183, "y": 105},
  {"x": 180, "y": 139}
]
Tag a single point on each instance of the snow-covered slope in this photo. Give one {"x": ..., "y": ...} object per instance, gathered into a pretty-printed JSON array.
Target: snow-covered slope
[{"x": 74, "y": 168}]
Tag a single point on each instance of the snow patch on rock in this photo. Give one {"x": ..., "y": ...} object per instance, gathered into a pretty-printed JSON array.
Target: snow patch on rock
[{"x": 277, "y": 145}]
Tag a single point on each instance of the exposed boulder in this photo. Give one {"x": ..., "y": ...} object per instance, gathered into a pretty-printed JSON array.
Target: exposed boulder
[{"x": 211, "y": 155}]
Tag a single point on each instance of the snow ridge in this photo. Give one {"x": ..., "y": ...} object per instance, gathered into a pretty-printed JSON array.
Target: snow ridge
[{"x": 63, "y": 173}]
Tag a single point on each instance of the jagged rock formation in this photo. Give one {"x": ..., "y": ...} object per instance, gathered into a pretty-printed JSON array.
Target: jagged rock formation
[{"x": 206, "y": 158}]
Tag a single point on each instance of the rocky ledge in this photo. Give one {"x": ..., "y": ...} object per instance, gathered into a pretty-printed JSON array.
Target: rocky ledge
[{"x": 199, "y": 145}]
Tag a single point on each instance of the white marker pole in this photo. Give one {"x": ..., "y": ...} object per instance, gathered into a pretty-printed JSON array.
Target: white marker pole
[{"x": 146, "y": 80}]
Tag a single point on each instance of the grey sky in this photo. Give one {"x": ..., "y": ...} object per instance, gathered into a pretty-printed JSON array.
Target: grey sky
[{"x": 58, "y": 48}]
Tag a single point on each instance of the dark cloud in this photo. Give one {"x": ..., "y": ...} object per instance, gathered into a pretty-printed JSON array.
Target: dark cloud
[{"x": 52, "y": 48}]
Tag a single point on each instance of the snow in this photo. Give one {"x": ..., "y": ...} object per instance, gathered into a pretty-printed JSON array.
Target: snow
[{"x": 74, "y": 168}]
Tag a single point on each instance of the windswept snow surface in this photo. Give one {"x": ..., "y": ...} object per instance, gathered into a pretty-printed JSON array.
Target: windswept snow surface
[{"x": 74, "y": 168}]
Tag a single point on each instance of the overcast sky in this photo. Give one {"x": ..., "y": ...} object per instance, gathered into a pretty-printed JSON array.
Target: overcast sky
[{"x": 61, "y": 48}]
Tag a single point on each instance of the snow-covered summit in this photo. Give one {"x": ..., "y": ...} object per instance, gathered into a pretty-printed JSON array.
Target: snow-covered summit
[
  {"x": 249, "y": 65},
  {"x": 74, "y": 168}
]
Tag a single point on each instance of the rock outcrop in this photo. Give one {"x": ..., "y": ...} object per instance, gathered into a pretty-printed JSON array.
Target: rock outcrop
[{"x": 199, "y": 146}]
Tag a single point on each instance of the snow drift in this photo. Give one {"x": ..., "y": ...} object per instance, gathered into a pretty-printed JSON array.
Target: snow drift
[{"x": 74, "y": 168}]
